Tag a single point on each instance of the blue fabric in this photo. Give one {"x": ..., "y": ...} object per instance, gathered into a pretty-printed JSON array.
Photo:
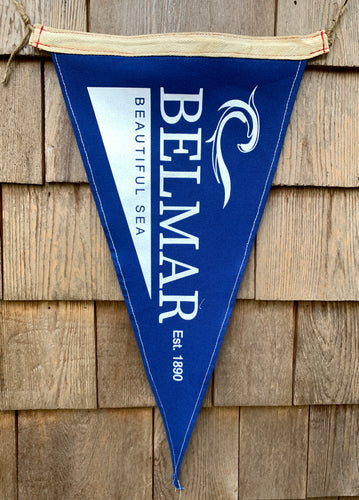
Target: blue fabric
[{"x": 248, "y": 103}]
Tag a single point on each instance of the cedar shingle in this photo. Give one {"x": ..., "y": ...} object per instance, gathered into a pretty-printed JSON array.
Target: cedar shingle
[
  {"x": 48, "y": 355},
  {"x": 333, "y": 451},
  {"x": 307, "y": 245},
  {"x": 21, "y": 124},
  {"x": 273, "y": 453},
  {"x": 102, "y": 454},
  {"x": 321, "y": 147},
  {"x": 327, "y": 362},
  {"x": 54, "y": 245},
  {"x": 8, "y": 479},
  {"x": 254, "y": 366}
]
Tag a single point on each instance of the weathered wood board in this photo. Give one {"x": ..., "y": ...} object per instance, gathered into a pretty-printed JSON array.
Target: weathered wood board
[
  {"x": 54, "y": 245},
  {"x": 333, "y": 451},
  {"x": 273, "y": 453},
  {"x": 321, "y": 146},
  {"x": 21, "y": 159},
  {"x": 48, "y": 357},
  {"x": 307, "y": 245},
  {"x": 85, "y": 454},
  {"x": 254, "y": 367},
  {"x": 8, "y": 473},
  {"x": 327, "y": 361}
]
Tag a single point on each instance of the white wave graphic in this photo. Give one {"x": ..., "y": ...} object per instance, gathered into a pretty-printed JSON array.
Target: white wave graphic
[{"x": 245, "y": 112}]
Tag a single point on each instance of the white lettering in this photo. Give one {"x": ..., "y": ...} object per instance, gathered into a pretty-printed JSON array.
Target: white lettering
[
  {"x": 179, "y": 300},
  {"x": 186, "y": 239},
  {"x": 174, "y": 108},
  {"x": 181, "y": 99},
  {"x": 180, "y": 138}
]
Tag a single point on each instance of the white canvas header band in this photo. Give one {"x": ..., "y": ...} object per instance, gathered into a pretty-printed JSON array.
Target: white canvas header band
[{"x": 180, "y": 44}]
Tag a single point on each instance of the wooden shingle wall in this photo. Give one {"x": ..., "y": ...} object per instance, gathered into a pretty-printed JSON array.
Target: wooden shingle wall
[{"x": 281, "y": 416}]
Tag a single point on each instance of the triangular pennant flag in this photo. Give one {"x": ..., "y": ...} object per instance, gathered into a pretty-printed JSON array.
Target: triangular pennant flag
[{"x": 180, "y": 137}]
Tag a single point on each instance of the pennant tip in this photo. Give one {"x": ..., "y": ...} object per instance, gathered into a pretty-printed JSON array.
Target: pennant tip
[{"x": 176, "y": 483}]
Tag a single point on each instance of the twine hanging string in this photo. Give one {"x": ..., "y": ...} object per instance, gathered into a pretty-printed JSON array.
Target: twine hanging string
[
  {"x": 29, "y": 28},
  {"x": 333, "y": 27},
  {"x": 24, "y": 41}
]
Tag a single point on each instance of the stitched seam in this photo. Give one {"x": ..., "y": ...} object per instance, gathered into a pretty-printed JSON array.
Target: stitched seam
[
  {"x": 180, "y": 35},
  {"x": 117, "y": 258},
  {"x": 241, "y": 266},
  {"x": 182, "y": 52},
  {"x": 38, "y": 40},
  {"x": 321, "y": 33}
]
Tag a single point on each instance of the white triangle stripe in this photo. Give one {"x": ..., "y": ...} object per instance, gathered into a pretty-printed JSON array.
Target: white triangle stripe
[{"x": 124, "y": 119}]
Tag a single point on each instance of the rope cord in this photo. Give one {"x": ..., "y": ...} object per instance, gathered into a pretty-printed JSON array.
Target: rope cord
[
  {"x": 333, "y": 27},
  {"x": 24, "y": 41}
]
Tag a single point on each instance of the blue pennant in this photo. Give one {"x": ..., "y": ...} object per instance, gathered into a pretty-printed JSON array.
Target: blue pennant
[{"x": 180, "y": 153}]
